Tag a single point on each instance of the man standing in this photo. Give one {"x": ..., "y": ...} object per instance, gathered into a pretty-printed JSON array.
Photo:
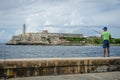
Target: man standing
[{"x": 106, "y": 38}]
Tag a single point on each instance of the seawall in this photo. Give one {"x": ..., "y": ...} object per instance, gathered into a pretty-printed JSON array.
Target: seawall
[{"x": 57, "y": 66}]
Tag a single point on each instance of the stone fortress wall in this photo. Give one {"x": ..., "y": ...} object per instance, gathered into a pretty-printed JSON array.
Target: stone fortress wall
[{"x": 40, "y": 38}]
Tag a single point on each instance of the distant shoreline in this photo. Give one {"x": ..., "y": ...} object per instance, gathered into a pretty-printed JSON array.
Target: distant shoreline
[{"x": 65, "y": 44}]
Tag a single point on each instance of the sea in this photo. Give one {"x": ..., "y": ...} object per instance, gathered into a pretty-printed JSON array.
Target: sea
[{"x": 40, "y": 51}]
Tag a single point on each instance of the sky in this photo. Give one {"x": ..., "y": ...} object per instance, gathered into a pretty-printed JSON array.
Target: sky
[{"x": 59, "y": 16}]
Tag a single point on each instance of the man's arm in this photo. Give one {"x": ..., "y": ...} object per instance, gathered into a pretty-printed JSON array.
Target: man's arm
[
  {"x": 101, "y": 36},
  {"x": 110, "y": 37}
]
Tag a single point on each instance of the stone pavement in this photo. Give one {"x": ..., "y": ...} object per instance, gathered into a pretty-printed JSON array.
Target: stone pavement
[{"x": 88, "y": 76}]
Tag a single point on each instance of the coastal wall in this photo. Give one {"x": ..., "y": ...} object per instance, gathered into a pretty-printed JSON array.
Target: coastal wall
[{"x": 57, "y": 66}]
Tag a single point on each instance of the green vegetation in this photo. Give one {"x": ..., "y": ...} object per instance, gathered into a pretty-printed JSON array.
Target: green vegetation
[
  {"x": 94, "y": 40},
  {"x": 74, "y": 39},
  {"x": 115, "y": 41}
]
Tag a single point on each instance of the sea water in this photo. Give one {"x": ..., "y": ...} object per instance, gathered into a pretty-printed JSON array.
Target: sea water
[{"x": 38, "y": 51}]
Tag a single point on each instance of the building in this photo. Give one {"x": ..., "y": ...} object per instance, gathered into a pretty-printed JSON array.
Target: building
[{"x": 43, "y": 38}]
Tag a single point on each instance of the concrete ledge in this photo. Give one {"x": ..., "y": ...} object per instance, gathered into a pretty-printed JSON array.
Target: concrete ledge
[
  {"x": 89, "y": 76},
  {"x": 57, "y": 66},
  {"x": 68, "y": 58}
]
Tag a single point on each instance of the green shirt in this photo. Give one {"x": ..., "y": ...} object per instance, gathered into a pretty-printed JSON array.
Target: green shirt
[{"x": 106, "y": 35}]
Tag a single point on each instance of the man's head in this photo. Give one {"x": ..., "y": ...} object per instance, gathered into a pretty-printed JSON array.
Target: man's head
[{"x": 105, "y": 28}]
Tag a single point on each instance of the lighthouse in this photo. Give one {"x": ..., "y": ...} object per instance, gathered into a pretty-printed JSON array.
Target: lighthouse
[
  {"x": 24, "y": 29},
  {"x": 24, "y": 33}
]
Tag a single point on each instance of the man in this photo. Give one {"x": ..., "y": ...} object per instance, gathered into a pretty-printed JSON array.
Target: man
[{"x": 106, "y": 38}]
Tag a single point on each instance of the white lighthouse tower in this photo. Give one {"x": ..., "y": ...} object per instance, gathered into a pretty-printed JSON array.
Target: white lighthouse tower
[
  {"x": 24, "y": 33},
  {"x": 24, "y": 30}
]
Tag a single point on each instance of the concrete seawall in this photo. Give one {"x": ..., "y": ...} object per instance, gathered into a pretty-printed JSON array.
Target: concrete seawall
[{"x": 57, "y": 66}]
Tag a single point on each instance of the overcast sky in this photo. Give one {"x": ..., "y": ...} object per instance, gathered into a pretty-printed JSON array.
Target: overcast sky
[{"x": 66, "y": 16}]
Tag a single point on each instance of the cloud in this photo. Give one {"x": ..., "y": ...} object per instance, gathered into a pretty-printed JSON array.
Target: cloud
[
  {"x": 76, "y": 13},
  {"x": 2, "y": 33},
  {"x": 110, "y": 18},
  {"x": 8, "y": 5},
  {"x": 59, "y": 15},
  {"x": 4, "y": 36}
]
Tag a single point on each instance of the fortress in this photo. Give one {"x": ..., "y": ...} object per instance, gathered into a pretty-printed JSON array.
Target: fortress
[{"x": 43, "y": 38}]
